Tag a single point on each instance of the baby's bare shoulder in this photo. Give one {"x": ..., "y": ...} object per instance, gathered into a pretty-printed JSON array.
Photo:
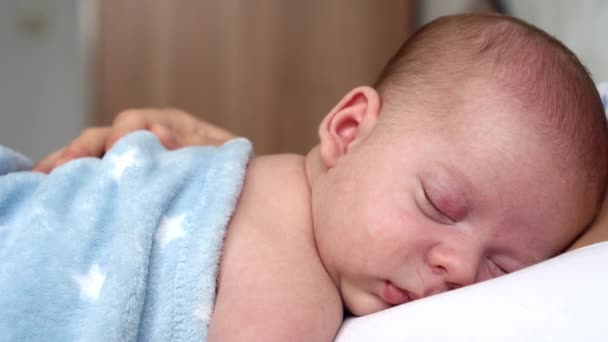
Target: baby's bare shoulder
[{"x": 272, "y": 284}]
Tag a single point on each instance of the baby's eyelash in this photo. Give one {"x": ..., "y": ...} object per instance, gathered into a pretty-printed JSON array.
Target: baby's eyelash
[
  {"x": 441, "y": 215},
  {"x": 502, "y": 269},
  {"x": 430, "y": 201},
  {"x": 494, "y": 268}
]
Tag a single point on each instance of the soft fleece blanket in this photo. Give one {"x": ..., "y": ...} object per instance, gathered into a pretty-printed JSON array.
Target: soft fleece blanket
[{"x": 119, "y": 249}]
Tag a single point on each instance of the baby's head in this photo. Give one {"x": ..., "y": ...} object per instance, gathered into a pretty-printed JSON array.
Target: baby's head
[{"x": 481, "y": 150}]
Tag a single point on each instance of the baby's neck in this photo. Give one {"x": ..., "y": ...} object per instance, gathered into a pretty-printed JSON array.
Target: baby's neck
[
  {"x": 313, "y": 166},
  {"x": 270, "y": 253},
  {"x": 281, "y": 184}
]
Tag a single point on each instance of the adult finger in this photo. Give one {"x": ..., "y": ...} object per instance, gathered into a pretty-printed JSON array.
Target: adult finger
[
  {"x": 126, "y": 122},
  {"x": 90, "y": 143},
  {"x": 46, "y": 164},
  {"x": 172, "y": 126},
  {"x": 206, "y": 133}
]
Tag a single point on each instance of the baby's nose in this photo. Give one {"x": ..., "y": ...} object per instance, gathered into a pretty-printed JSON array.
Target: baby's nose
[{"x": 452, "y": 267}]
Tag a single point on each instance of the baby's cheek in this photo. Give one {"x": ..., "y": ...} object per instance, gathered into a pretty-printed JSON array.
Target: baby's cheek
[
  {"x": 360, "y": 303},
  {"x": 387, "y": 234}
]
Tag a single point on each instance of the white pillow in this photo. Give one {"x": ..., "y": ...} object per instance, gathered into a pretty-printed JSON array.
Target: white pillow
[{"x": 561, "y": 299}]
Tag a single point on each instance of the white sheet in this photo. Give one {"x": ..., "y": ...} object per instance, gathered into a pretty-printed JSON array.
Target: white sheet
[{"x": 562, "y": 299}]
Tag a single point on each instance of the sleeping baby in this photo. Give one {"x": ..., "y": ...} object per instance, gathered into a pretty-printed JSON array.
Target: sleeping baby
[{"x": 481, "y": 150}]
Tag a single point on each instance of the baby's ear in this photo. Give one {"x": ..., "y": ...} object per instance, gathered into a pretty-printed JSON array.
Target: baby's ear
[{"x": 349, "y": 122}]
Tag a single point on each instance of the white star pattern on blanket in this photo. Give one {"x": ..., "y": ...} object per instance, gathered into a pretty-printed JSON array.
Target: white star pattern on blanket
[
  {"x": 91, "y": 283},
  {"x": 170, "y": 229},
  {"x": 122, "y": 162}
]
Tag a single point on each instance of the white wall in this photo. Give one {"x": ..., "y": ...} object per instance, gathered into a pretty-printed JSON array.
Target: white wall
[
  {"x": 432, "y": 9},
  {"x": 582, "y": 25},
  {"x": 42, "y": 80}
]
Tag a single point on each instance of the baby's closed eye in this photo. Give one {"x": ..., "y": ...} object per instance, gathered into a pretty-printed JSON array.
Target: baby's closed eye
[
  {"x": 431, "y": 209},
  {"x": 442, "y": 199},
  {"x": 495, "y": 269}
]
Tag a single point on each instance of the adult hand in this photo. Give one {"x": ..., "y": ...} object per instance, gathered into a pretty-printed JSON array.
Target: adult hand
[{"x": 174, "y": 128}]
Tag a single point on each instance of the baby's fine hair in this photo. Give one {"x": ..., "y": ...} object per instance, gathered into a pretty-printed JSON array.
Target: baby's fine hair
[{"x": 526, "y": 64}]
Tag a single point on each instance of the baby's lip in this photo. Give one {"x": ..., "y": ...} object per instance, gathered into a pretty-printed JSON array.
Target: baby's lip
[{"x": 395, "y": 295}]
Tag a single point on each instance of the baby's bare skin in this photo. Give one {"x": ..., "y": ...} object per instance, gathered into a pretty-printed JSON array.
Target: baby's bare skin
[{"x": 272, "y": 284}]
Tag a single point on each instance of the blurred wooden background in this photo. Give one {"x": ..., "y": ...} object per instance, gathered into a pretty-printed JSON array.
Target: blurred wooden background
[{"x": 268, "y": 70}]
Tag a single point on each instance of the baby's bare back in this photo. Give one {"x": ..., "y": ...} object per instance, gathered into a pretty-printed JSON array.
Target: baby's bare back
[{"x": 272, "y": 284}]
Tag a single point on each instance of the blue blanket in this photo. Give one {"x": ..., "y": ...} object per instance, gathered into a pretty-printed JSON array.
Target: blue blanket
[{"x": 122, "y": 248}]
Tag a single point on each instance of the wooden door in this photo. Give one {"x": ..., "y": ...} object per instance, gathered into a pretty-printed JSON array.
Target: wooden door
[{"x": 268, "y": 69}]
